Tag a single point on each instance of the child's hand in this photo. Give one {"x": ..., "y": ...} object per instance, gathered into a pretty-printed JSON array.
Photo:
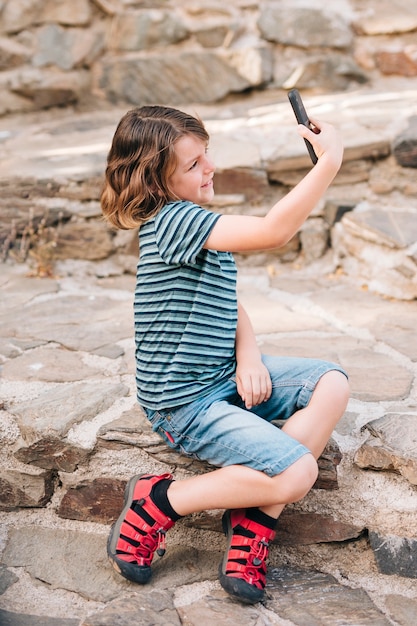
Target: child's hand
[
  {"x": 253, "y": 383},
  {"x": 327, "y": 143}
]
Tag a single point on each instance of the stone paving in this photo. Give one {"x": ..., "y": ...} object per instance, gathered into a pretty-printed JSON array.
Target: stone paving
[{"x": 54, "y": 570}]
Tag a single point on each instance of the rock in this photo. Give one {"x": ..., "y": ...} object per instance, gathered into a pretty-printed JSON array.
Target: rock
[
  {"x": 333, "y": 71},
  {"x": 304, "y": 26},
  {"x": 299, "y": 528},
  {"x": 99, "y": 500},
  {"x": 79, "y": 13},
  {"x": 79, "y": 559},
  {"x": 216, "y": 607},
  {"x": 22, "y": 489},
  {"x": 7, "y": 618},
  {"x": 366, "y": 367},
  {"x": 133, "y": 429},
  {"x": 89, "y": 240},
  {"x": 154, "y": 607},
  {"x": 215, "y": 33},
  {"x": 327, "y": 463},
  {"x": 81, "y": 564},
  {"x": 108, "y": 7},
  {"x": 306, "y": 598},
  {"x": 82, "y": 402},
  {"x": 392, "y": 447},
  {"x": 395, "y": 555},
  {"x": 251, "y": 182},
  {"x": 7, "y": 578},
  {"x": 49, "y": 87},
  {"x": 11, "y": 102},
  {"x": 405, "y": 145},
  {"x": 294, "y": 528},
  {"x": 52, "y": 453},
  {"x": 402, "y": 609},
  {"x": 314, "y": 237},
  {"x": 67, "y": 48},
  {"x": 396, "y": 16},
  {"x": 401, "y": 61},
  {"x": 12, "y": 54},
  {"x": 50, "y": 364},
  {"x": 360, "y": 144},
  {"x": 183, "y": 76},
  {"x": 29, "y": 218},
  {"x": 77, "y": 322},
  {"x": 146, "y": 28},
  {"x": 18, "y": 290},
  {"x": 20, "y": 14},
  {"x": 377, "y": 244}
]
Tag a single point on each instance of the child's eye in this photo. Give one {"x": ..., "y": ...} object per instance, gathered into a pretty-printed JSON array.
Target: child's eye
[{"x": 193, "y": 165}]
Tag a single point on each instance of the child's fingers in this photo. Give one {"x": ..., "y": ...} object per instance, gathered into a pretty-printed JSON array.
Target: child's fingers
[
  {"x": 306, "y": 133},
  {"x": 317, "y": 125}
]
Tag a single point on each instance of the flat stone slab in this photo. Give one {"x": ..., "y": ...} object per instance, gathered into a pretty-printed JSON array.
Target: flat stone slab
[
  {"x": 373, "y": 376},
  {"x": 77, "y": 322},
  {"x": 146, "y": 607},
  {"x": 316, "y": 599},
  {"x": 403, "y": 610},
  {"x": 81, "y": 564},
  {"x": 19, "y": 619},
  {"x": 393, "y": 228}
]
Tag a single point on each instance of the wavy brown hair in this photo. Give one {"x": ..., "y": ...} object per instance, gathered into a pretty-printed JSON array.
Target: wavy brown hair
[{"x": 140, "y": 162}]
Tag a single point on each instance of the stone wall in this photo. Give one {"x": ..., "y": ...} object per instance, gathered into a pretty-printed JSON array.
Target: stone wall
[{"x": 100, "y": 52}]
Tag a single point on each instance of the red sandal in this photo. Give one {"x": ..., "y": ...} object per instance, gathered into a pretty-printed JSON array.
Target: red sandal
[
  {"x": 243, "y": 570},
  {"x": 139, "y": 531}
]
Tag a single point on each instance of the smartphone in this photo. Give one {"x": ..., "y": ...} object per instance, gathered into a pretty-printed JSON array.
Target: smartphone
[{"x": 302, "y": 118}]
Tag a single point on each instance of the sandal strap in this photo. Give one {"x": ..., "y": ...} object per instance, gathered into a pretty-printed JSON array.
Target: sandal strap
[
  {"x": 143, "y": 535},
  {"x": 248, "y": 549}
]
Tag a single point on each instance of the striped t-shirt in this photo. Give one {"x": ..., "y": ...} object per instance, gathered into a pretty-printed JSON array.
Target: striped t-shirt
[{"x": 185, "y": 308}]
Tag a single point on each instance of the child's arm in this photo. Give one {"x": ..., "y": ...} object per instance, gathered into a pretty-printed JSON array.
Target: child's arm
[
  {"x": 238, "y": 233},
  {"x": 252, "y": 377}
]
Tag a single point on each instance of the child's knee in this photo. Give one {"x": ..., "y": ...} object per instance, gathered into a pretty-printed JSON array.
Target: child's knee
[
  {"x": 338, "y": 383},
  {"x": 298, "y": 479}
]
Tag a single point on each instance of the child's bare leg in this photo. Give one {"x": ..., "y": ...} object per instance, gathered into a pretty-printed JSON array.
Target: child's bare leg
[
  {"x": 241, "y": 487},
  {"x": 237, "y": 486},
  {"x": 313, "y": 425},
  {"x": 253, "y": 499}
]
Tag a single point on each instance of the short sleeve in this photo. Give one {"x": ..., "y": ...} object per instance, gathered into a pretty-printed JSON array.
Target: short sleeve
[{"x": 181, "y": 229}]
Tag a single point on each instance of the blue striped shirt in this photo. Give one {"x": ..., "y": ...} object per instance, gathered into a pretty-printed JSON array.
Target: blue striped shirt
[{"x": 185, "y": 308}]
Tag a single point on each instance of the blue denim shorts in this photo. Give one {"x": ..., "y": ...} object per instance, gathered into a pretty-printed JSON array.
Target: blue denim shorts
[{"x": 217, "y": 427}]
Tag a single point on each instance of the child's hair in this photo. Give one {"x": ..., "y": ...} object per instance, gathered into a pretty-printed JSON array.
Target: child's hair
[{"x": 140, "y": 162}]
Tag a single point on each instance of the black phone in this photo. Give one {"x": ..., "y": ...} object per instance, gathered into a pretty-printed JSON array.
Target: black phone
[{"x": 302, "y": 118}]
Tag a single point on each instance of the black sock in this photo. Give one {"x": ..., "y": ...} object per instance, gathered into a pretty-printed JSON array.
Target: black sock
[
  {"x": 160, "y": 498},
  {"x": 256, "y": 515}
]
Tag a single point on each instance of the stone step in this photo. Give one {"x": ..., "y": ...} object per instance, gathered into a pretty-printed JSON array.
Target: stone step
[{"x": 51, "y": 174}]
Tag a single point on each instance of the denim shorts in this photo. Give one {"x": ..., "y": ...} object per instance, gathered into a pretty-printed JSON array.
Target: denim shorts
[{"x": 217, "y": 427}]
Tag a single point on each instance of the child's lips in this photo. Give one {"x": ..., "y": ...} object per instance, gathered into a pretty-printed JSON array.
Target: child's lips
[{"x": 208, "y": 183}]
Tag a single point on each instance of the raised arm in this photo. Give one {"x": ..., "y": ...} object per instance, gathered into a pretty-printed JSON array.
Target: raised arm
[
  {"x": 252, "y": 377},
  {"x": 239, "y": 233}
]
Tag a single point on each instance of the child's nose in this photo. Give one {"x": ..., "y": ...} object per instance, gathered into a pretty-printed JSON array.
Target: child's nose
[{"x": 210, "y": 167}]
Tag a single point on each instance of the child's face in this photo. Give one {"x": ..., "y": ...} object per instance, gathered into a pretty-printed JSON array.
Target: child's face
[{"x": 193, "y": 177}]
